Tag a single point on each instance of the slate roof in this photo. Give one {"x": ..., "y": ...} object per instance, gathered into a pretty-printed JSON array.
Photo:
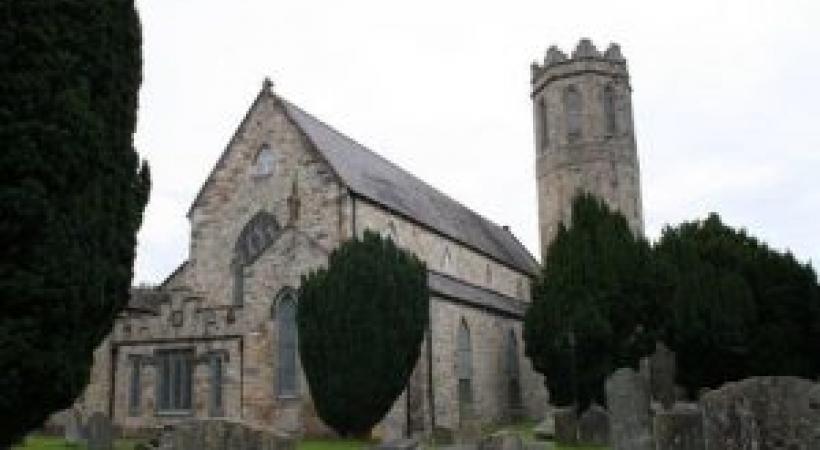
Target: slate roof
[
  {"x": 469, "y": 294},
  {"x": 378, "y": 180}
]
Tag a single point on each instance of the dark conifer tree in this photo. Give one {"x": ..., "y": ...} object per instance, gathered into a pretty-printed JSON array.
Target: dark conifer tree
[
  {"x": 361, "y": 324},
  {"x": 72, "y": 193},
  {"x": 592, "y": 304},
  {"x": 734, "y": 307}
]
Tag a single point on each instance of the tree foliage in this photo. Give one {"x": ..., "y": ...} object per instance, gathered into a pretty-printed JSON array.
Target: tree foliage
[
  {"x": 71, "y": 191},
  {"x": 591, "y": 304},
  {"x": 733, "y": 307},
  {"x": 727, "y": 304},
  {"x": 361, "y": 323}
]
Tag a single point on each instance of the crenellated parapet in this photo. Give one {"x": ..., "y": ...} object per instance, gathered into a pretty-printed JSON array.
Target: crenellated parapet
[{"x": 584, "y": 58}]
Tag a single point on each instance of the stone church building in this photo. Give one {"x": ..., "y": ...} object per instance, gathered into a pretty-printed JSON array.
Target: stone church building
[{"x": 218, "y": 337}]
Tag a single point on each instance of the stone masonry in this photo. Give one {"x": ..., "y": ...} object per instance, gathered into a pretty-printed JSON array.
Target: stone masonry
[
  {"x": 315, "y": 205},
  {"x": 584, "y": 133}
]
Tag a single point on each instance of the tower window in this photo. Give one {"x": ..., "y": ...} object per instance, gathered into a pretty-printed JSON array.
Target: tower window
[
  {"x": 610, "y": 113},
  {"x": 263, "y": 164},
  {"x": 573, "y": 109},
  {"x": 543, "y": 123}
]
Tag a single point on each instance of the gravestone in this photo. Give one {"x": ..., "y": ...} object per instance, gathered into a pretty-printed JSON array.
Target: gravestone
[
  {"x": 72, "y": 431},
  {"x": 627, "y": 397},
  {"x": 566, "y": 425},
  {"x": 221, "y": 434},
  {"x": 593, "y": 426},
  {"x": 679, "y": 428},
  {"x": 99, "y": 432},
  {"x": 763, "y": 413},
  {"x": 662, "y": 369},
  {"x": 545, "y": 430},
  {"x": 503, "y": 440}
]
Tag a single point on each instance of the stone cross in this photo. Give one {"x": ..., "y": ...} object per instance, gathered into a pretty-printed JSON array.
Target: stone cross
[
  {"x": 99, "y": 432},
  {"x": 627, "y": 396}
]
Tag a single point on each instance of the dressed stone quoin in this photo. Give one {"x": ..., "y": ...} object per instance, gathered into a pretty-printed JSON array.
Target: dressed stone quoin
[{"x": 218, "y": 338}]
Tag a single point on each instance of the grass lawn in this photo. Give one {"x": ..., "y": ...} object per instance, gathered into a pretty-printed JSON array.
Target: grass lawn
[{"x": 56, "y": 443}]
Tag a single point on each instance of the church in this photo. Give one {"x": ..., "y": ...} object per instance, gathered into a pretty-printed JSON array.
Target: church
[{"x": 218, "y": 337}]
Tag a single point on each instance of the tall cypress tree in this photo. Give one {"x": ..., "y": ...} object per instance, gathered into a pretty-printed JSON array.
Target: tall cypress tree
[
  {"x": 361, "y": 324},
  {"x": 72, "y": 193},
  {"x": 592, "y": 304}
]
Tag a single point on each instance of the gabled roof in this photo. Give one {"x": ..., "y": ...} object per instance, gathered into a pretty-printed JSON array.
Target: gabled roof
[
  {"x": 376, "y": 179},
  {"x": 380, "y": 181}
]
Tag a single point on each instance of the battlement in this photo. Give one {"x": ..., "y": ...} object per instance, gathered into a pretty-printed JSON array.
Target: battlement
[{"x": 584, "y": 52}]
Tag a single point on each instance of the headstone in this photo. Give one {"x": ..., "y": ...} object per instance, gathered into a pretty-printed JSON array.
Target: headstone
[
  {"x": 566, "y": 425},
  {"x": 545, "y": 430},
  {"x": 503, "y": 440},
  {"x": 539, "y": 445},
  {"x": 593, "y": 426},
  {"x": 662, "y": 369},
  {"x": 627, "y": 397},
  {"x": 763, "y": 413},
  {"x": 72, "y": 431},
  {"x": 99, "y": 432},
  {"x": 679, "y": 428},
  {"x": 443, "y": 436}
]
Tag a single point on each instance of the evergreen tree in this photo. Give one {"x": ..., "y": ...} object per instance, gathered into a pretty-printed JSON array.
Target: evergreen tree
[
  {"x": 734, "y": 307},
  {"x": 361, "y": 324},
  {"x": 71, "y": 192},
  {"x": 592, "y": 304}
]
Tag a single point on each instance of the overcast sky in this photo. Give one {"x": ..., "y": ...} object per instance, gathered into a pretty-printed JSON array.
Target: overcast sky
[{"x": 725, "y": 94}]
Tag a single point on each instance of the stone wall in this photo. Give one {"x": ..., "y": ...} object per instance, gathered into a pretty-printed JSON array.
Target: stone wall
[
  {"x": 490, "y": 388},
  {"x": 235, "y": 193},
  {"x": 466, "y": 263}
]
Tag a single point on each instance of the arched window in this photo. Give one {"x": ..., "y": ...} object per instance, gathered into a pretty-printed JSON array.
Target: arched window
[
  {"x": 256, "y": 236},
  {"x": 264, "y": 161},
  {"x": 446, "y": 261},
  {"x": 610, "y": 111},
  {"x": 287, "y": 376},
  {"x": 512, "y": 371},
  {"x": 573, "y": 109},
  {"x": 464, "y": 369},
  {"x": 542, "y": 123}
]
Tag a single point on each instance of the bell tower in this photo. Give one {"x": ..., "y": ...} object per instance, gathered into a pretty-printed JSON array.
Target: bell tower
[{"x": 584, "y": 135}]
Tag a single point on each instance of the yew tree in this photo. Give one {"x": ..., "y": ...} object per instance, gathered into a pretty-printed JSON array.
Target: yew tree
[
  {"x": 361, "y": 323},
  {"x": 592, "y": 305},
  {"x": 72, "y": 193}
]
